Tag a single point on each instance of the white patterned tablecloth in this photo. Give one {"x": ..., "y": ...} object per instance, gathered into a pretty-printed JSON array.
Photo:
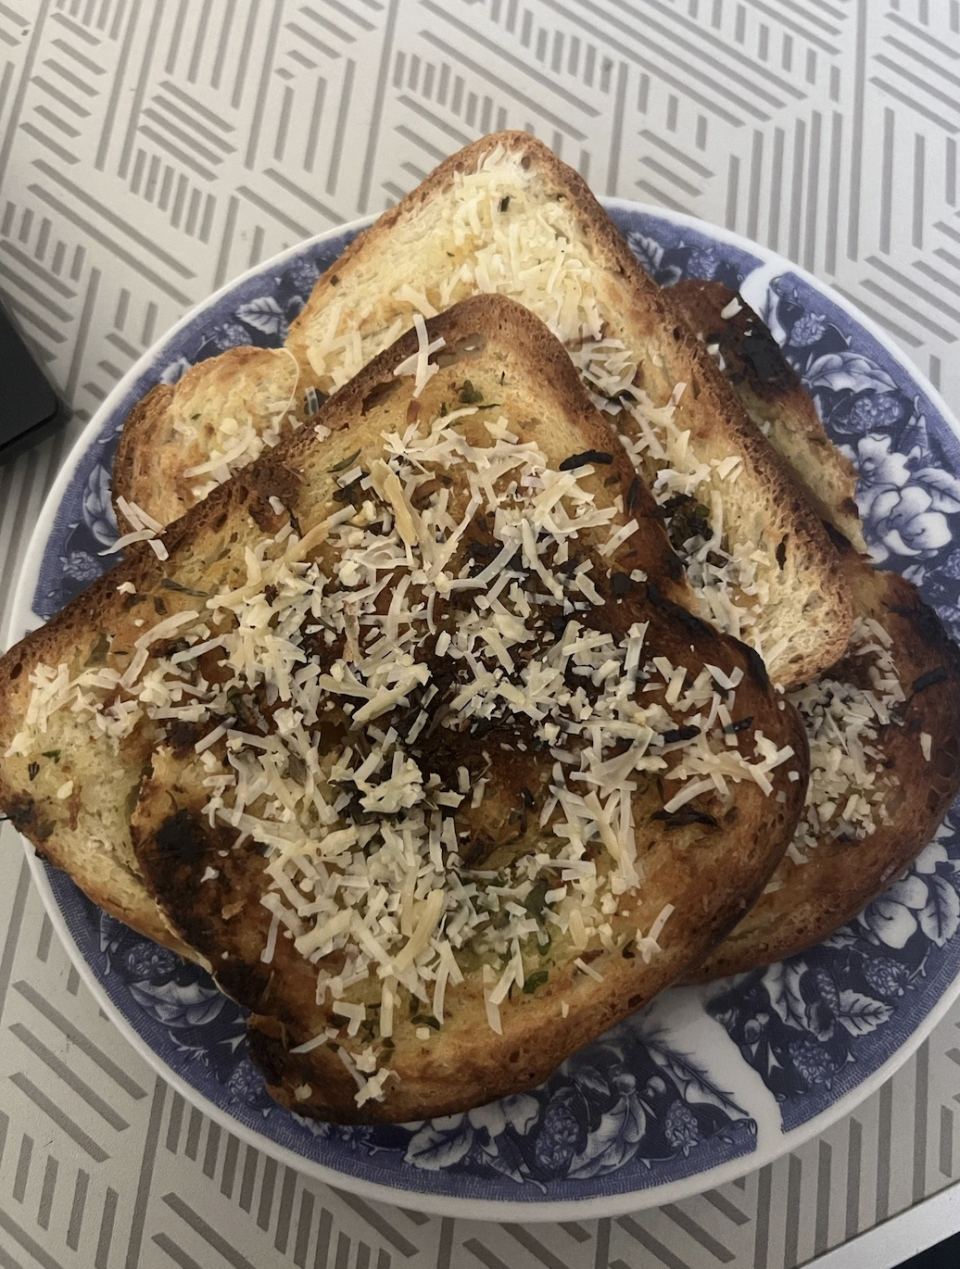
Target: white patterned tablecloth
[{"x": 152, "y": 149}]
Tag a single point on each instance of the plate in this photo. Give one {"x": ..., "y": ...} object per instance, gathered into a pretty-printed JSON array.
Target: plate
[{"x": 707, "y": 1083}]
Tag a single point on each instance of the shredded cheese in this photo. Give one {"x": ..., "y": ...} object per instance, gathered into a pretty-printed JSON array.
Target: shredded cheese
[{"x": 345, "y": 628}]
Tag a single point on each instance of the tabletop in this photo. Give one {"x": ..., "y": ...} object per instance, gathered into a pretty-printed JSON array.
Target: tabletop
[{"x": 150, "y": 150}]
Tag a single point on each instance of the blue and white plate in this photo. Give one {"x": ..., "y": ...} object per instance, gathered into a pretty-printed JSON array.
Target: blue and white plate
[{"x": 709, "y": 1082}]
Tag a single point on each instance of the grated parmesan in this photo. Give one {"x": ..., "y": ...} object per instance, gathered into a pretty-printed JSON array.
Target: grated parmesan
[{"x": 365, "y": 836}]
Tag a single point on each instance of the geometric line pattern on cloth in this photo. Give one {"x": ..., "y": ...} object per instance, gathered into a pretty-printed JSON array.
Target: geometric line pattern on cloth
[{"x": 149, "y": 152}]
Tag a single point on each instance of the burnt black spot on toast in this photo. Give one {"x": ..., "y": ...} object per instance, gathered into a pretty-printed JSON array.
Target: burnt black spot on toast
[
  {"x": 763, "y": 358},
  {"x": 245, "y": 983},
  {"x": 183, "y": 838}
]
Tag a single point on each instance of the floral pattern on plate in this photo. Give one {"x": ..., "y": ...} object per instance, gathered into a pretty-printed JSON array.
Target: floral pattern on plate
[
  {"x": 632, "y": 1098},
  {"x": 671, "y": 252},
  {"x": 805, "y": 1024},
  {"x": 907, "y": 459},
  {"x": 633, "y": 1111}
]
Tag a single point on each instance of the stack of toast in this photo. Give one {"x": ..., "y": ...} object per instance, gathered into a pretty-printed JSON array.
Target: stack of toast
[
  {"x": 484, "y": 660},
  {"x": 889, "y": 704}
]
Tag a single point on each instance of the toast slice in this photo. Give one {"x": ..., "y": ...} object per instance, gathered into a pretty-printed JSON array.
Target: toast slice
[
  {"x": 775, "y": 399},
  {"x": 466, "y": 782},
  {"x": 71, "y": 784},
  {"x": 900, "y": 671},
  {"x": 825, "y": 880},
  {"x": 505, "y": 215},
  {"x": 183, "y": 440}
]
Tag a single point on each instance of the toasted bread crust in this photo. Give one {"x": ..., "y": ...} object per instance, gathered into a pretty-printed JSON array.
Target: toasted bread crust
[
  {"x": 771, "y": 391},
  {"x": 141, "y": 455},
  {"x": 89, "y": 842}
]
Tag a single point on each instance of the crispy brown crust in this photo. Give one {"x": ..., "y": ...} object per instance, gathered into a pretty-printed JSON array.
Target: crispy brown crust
[
  {"x": 138, "y": 454},
  {"x": 58, "y": 830},
  {"x": 710, "y": 871},
  {"x": 771, "y": 390},
  {"x": 840, "y": 879}
]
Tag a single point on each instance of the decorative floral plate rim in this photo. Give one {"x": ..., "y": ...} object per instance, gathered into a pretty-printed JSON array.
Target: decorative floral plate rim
[{"x": 804, "y": 1018}]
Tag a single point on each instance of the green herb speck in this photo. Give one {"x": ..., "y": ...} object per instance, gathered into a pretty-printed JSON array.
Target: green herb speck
[{"x": 536, "y": 979}]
